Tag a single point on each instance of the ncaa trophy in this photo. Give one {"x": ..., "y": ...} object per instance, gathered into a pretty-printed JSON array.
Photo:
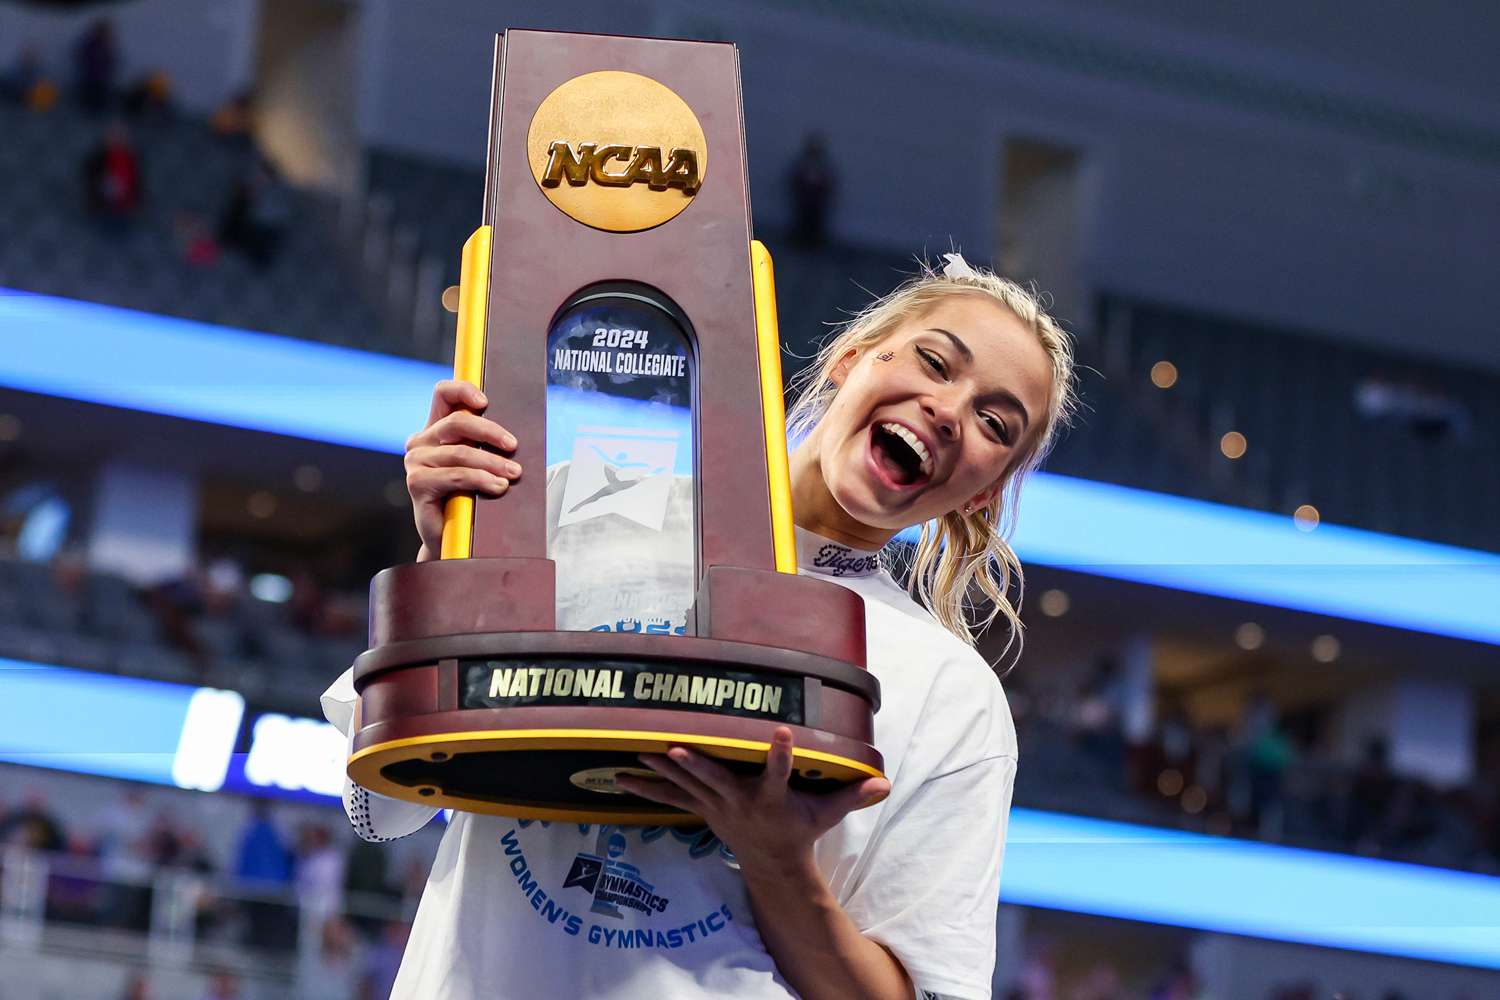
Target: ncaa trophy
[{"x": 619, "y": 318}]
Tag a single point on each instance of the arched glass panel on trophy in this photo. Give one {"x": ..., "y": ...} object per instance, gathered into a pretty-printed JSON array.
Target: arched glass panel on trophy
[{"x": 620, "y": 438}]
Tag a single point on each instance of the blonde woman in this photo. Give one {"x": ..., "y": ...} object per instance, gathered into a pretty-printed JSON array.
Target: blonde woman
[{"x": 928, "y": 408}]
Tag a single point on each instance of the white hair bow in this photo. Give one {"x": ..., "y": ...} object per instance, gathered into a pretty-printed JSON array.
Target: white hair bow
[{"x": 956, "y": 268}]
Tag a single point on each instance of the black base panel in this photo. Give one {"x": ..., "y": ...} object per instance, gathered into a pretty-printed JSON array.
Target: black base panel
[{"x": 541, "y": 777}]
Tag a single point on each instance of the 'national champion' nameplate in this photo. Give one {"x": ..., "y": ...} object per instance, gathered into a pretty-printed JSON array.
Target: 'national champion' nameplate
[{"x": 696, "y": 687}]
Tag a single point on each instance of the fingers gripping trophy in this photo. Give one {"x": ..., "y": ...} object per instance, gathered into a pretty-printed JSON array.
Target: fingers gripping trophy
[{"x": 635, "y": 588}]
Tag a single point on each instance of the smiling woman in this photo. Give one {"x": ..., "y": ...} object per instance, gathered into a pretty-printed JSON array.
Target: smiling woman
[
  {"x": 928, "y": 408},
  {"x": 931, "y": 407}
]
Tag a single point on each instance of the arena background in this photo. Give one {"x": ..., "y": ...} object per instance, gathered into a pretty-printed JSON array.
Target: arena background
[{"x": 1259, "y": 709}]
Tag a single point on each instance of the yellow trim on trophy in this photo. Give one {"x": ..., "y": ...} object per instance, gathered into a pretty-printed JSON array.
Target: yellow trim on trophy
[
  {"x": 773, "y": 407},
  {"x": 612, "y": 739},
  {"x": 581, "y": 739},
  {"x": 468, "y": 366}
]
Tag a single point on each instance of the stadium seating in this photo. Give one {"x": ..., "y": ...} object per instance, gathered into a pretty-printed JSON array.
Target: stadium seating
[
  {"x": 102, "y": 623},
  {"x": 51, "y": 247},
  {"x": 1290, "y": 393}
]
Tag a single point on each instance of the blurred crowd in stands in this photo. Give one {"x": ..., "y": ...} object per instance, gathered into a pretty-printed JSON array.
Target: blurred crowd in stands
[
  {"x": 1039, "y": 980},
  {"x": 255, "y": 212},
  {"x": 204, "y": 627},
  {"x": 330, "y": 905},
  {"x": 1269, "y": 776},
  {"x": 314, "y": 894}
]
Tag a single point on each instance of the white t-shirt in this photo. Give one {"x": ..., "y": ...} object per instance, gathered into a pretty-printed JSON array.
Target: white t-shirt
[{"x": 530, "y": 909}]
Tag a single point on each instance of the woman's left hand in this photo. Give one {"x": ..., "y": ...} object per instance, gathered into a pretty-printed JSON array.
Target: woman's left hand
[{"x": 765, "y": 822}]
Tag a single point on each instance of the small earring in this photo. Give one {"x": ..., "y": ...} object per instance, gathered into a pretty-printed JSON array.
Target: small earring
[{"x": 968, "y": 509}]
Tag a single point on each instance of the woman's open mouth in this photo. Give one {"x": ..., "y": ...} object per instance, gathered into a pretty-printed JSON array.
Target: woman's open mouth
[{"x": 899, "y": 457}]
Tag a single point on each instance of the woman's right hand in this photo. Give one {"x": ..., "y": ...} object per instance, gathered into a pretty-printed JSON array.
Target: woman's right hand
[{"x": 450, "y": 456}]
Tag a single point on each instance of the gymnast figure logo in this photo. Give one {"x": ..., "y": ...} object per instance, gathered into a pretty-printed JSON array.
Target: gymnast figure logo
[
  {"x": 613, "y": 466},
  {"x": 627, "y": 472}
]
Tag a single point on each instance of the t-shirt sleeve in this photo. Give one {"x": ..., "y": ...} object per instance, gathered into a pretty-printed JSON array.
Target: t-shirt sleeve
[
  {"x": 934, "y": 880},
  {"x": 373, "y": 816}
]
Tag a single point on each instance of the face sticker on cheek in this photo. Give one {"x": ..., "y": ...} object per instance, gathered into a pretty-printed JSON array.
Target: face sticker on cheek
[{"x": 885, "y": 356}]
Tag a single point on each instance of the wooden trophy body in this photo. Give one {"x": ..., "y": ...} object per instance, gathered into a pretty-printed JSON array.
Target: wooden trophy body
[{"x": 622, "y": 324}]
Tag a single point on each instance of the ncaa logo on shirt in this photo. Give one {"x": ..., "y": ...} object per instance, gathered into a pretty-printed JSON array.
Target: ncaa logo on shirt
[{"x": 612, "y": 882}]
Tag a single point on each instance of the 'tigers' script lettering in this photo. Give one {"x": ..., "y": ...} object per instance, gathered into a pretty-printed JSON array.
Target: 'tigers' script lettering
[{"x": 842, "y": 561}]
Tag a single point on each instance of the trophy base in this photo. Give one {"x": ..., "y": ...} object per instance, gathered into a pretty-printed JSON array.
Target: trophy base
[
  {"x": 568, "y": 774},
  {"x": 536, "y": 723}
]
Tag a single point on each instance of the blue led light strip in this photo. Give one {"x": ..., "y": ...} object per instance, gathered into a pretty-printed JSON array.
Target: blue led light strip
[
  {"x": 1258, "y": 890},
  {"x": 180, "y": 368}
]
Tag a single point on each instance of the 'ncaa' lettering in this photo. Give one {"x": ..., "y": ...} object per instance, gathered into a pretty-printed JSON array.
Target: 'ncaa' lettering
[{"x": 645, "y": 166}]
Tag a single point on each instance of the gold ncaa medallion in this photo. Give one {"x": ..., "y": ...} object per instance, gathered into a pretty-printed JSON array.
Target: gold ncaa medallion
[{"x": 617, "y": 151}]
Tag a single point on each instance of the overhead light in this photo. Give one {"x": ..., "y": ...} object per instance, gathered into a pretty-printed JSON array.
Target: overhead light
[
  {"x": 1306, "y": 517},
  {"x": 309, "y": 478},
  {"x": 1325, "y": 649},
  {"x": 1232, "y": 445},
  {"x": 261, "y": 504},
  {"x": 1054, "y": 603},
  {"x": 272, "y": 587},
  {"x": 1249, "y": 636},
  {"x": 1164, "y": 374}
]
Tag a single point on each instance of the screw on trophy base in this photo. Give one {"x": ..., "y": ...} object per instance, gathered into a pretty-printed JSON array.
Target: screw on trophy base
[{"x": 642, "y": 594}]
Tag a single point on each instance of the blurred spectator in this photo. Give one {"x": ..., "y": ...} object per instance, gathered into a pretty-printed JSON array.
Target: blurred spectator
[
  {"x": 1267, "y": 753},
  {"x": 257, "y": 215},
  {"x": 1373, "y": 789},
  {"x": 96, "y": 62},
  {"x": 1101, "y": 982},
  {"x": 42, "y": 97},
  {"x": 381, "y": 962},
  {"x": 75, "y": 894},
  {"x": 263, "y": 855},
  {"x": 125, "y": 850},
  {"x": 150, "y": 97},
  {"x": 1038, "y": 978},
  {"x": 1427, "y": 412},
  {"x": 1098, "y": 713},
  {"x": 331, "y": 968},
  {"x": 17, "y": 82},
  {"x": 235, "y": 119},
  {"x": 1178, "y": 984},
  {"x": 223, "y": 985},
  {"x": 1176, "y": 736},
  {"x": 196, "y": 241},
  {"x": 306, "y": 608},
  {"x": 32, "y": 825},
  {"x": 223, "y": 585},
  {"x": 264, "y": 862},
  {"x": 367, "y": 883},
  {"x": 320, "y": 876},
  {"x": 813, "y": 184},
  {"x": 112, "y": 179},
  {"x": 137, "y": 988},
  {"x": 177, "y": 603},
  {"x": 174, "y": 846}
]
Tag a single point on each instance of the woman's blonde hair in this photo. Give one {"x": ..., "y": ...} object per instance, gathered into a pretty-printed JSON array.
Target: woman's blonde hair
[{"x": 956, "y": 551}]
